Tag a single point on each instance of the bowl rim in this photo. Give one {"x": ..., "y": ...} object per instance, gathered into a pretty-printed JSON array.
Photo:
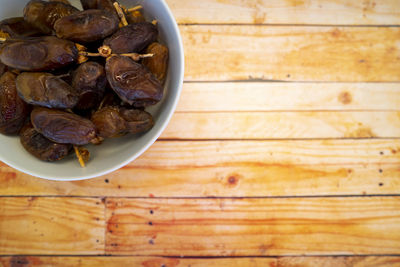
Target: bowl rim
[{"x": 163, "y": 124}]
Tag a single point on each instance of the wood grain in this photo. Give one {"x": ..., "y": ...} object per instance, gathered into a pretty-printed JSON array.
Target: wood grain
[
  {"x": 282, "y": 125},
  {"x": 338, "y": 261},
  {"x": 383, "y": 12},
  {"x": 234, "y": 168},
  {"x": 340, "y": 54},
  {"x": 134, "y": 261},
  {"x": 354, "y": 261},
  {"x": 244, "y": 227},
  {"x": 30, "y": 225},
  {"x": 265, "y": 96}
]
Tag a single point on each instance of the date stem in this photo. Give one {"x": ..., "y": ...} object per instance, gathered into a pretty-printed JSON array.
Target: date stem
[
  {"x": 121, "y": 14},
  {"x": 132, "y": 9},
  {"x": 2, "y": 40},
  {"x": 79, "y": 156}
]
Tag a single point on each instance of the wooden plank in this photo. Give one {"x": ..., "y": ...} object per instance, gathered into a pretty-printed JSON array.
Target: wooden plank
[
  {"x": 265, "y": 96},
  {"x": 383, "y": 12},
  {"x": 338, "y": 261},
  {"x": 72, "y": 261},
  {"x": 258, "y": 226},
  {"x": 352, "y": 54},
  {"x": 233, "y": 168},
  {"x": 31, "y": 225},
  {"x": 283, "y": 125},
  {"x": 134, "y": 261}
]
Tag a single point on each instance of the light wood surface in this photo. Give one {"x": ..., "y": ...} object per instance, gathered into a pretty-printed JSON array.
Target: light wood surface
[
  {"x": 237, "y": 168},
  {"x": 284, "y": 151},
  {"x": 31, "y": 225},
  {"x": 253, "y": 227},
  {"x": 276, "y": 96},
  {"x": 327, "y": 12},
  {"x": 282, "y": 53}
]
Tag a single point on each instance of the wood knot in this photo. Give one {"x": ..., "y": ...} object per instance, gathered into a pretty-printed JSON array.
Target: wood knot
[
  {"x": 19, "y": 261},
  {"x": 233, "y": 180},
  {"x": 345, "y": 98}
]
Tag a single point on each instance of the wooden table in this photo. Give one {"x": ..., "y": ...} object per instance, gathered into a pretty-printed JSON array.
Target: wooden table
[{"x": 284, "y": 151}]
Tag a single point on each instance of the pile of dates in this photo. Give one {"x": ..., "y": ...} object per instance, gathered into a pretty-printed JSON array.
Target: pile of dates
[{"x": 69, "y": 78}]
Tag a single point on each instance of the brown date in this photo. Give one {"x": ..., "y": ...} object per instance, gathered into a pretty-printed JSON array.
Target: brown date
[
  {"x": 16, "y": 27},
  {"x": 63, "y": 127},
  {"x": 38, "y": 53},
  {"x": 43, "y": 15},
  {"x": 13, "y": 111},
  {"x": 115, "y": 121},
  {"x": 158, "y": 63},
  {"x": 3, "y": 68},
  {"x": 86, "y": 26},
  {"x": 41, "y": 147},
  {"x": 47, "y": 90},
  {"x": 89, "y": 4},
  {"x": 90, "y": 81},
  {"x": 132, "y": 38},
  {"x": 133, "y": 82}
]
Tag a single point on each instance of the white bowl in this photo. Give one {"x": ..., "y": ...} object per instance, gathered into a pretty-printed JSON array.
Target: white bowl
[{"x": 113, "y": 153}]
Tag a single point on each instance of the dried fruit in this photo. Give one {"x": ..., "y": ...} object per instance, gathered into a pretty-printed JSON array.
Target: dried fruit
[
  {"x": 16, "y": 27},
  {"x": 43, "y": 15},
  {"x": 38, "y": 53},
  {"x": 132, "y": 38},
  {"x": 13, "y": 111},
  {"x": 158, "y": 63},
  {"x": 3, "y": 68},
  {"x": 63, "y": 127},
  {"x": 86, "y": 26},
  {"x": 114, "y": 121},
  {"x": 47, "y": 90},
  {"x": 133, "y": 82},
  {"x": 89, "y": 4},
  {"x": 89, "y": 80},
  {"x": 41, "y": 147}
]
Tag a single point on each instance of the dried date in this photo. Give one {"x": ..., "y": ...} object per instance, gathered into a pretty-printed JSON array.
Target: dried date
[
  {"x": 86, "y": 26},
  {"x": 114, "y": 121},
  {"x": 13, "y": 111},
  {"x": 132, "y": 38},
  {"x": 158, "y": 63},
  {"x": 43, "y": 15},
  {"x": 63, "y": 127},
  {"x": 47, "y": 90},
  {"x": 89, "y": 80},
  {"x": 38, "y": 53},
  {"x": 16, "y": 27},
  {"x": 41, "y": 147},
  {"x": 133, "y": 82}
]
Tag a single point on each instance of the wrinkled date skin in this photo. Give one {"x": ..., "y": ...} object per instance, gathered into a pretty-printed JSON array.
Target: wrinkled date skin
[
  {"x": 158, "y": 63},
  {"x": 89, "y": 4},
  {"x": 63, "y": 127},
  {"x": 3, "y": 69},
  {"x": 43, "y": 15},
  {"x": 41, "y": 147},
  {"x": 133, "y": 82},
  {"x": 13, "y": 110},
  {"x": 132, "y": 38},
  {"x": 47, "y": 90},
  {"x": 38, "y": 53},
  {"x": 114, "y": 121},
  {"x": 16, "y": 27},
  {"x": 90, "y": 81},
  {"x": 86, "y": 26}
]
